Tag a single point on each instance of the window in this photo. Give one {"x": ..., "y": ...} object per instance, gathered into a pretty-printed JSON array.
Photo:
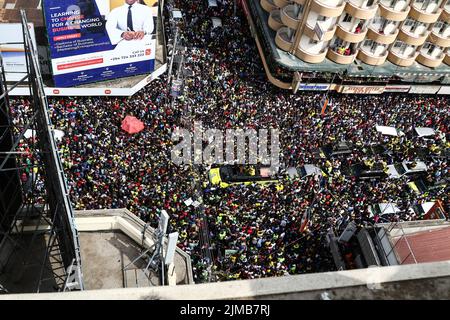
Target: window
[
  {"x": 401, "y": 46},
  {"x": 425, "y": 3},
  {"x": 443, "y": 27},
  {"x": 429, "y": 46},
  {"x": 347, "y": 18},
  {"x": 377, "y": 20},
  {"x": 438, "y": 24},
  {"x": 368, "y": 43},
  {"x": 338, "y": 42},
  {"x": 409, "y": 22},
  {"x": 393, "y": 3},
  {"x": 398, "y": 44},
  {"x": 371, "y": 44}
]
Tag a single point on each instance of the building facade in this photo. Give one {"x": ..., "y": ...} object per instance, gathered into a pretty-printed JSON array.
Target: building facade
[
  {"x": 372, "y": 31},
  {"x": 400, "y": 36}
]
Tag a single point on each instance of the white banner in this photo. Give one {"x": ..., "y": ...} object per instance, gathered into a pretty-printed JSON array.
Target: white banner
[
  {"x": 444, "y": 90},
  {"x": 14, "y": 54},
  {"x": 424, "y": 89},
  {"x": 399, "y": 88}
]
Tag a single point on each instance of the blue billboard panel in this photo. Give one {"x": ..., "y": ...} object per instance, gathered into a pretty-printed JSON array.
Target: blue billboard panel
[{"x": 97, "y": 40}]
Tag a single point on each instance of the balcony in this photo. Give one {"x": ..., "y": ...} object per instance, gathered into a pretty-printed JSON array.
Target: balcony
[
  {"x": 439, "y": 38},
  {"x": 283, "y": 39},
  {"x": 412, "y": 38},
  {"x": 447, "y": 58},
  {"x": 327, "y": 36},
  {"x": 353, "y": 8},
  {"x": 268, "y": 5},
  {"x": 341, "y": 58},
  {"x": 328, "y": 8},
  {"x": 424, "y": 15},
  {"x": 281, "y": 3},
  {"x": 378, "y": 36},
  {"x": 430, "y": 61},
  {"x": 394, "y": 14},
  {"x": 289, "y": 16},
  {"x": 310, "y": 57},
  {"x": 400, "y": 59},
  {"x": 344, "y": 33},
  {"x": 445, "y": 15},
  {"x": 275, "y": 20},
  {"x": 370, "y": 58}
]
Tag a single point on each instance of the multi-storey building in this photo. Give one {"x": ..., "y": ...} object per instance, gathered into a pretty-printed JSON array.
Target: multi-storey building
[{"x": 398, "y": 36}]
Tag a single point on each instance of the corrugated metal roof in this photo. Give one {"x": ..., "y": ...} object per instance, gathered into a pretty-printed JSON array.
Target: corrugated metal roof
[{"x": 427, "y": 246}]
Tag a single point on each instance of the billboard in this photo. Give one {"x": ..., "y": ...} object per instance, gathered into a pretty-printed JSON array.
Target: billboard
[
  {"x": 314, "y": 87},
  {"x": 14, "y": 54},
  {"x": 397, "y": 88},
  {"x": 444, "y": 90},
  {"x": 424, "y": 89},
  {"x": 97, "y": 40},
  {"x": 362, "y": 89}
]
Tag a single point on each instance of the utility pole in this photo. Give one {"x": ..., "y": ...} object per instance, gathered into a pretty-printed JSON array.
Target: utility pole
[
  {"x": 174, "y": 48},
  {"x": 299, "y": 32}
]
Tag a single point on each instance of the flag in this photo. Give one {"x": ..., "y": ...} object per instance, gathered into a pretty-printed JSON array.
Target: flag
[
  {"x": 324, "y": 103},
  {"x": 305, "y": 220}
]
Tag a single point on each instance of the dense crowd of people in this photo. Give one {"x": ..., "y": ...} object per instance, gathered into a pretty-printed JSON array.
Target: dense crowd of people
[{"x": 252, "y": 231}]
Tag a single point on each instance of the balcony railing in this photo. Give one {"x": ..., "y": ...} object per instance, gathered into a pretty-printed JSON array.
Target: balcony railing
[
  {"x": 341, "y": 54},
  {"x": 394, "y": 14}
]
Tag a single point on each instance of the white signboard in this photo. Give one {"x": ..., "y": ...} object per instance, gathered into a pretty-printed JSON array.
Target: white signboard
[
  {"x": 14, "y": 54},
  {"x": 424, "y": 89},
  {"x": 399, "y": 88},
  {"x": 444, "y": 90},
  {"x": 314, "y": 87}
]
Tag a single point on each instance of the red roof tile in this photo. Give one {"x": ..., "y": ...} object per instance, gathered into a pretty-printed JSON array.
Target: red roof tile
[{"x": 427, "y": 246}]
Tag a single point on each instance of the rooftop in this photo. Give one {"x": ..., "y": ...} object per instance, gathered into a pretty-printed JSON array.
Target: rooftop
[
  {"x": 109, "y": 241},
  {"x": 427, "y": 245}
]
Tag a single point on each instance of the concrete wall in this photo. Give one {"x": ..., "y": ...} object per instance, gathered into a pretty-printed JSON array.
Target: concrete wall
[
  {"x": 129, "y": 224},
  {"x": 416, "y": 281}
]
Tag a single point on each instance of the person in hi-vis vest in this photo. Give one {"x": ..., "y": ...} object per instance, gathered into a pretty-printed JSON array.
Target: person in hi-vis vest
[{"x": 130, "y": 21}]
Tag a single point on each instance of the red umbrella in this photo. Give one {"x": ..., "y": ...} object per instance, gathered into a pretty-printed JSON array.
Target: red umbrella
[{"x": 132, "y": 125}]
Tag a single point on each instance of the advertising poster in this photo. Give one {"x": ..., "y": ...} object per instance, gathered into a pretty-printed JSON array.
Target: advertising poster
[
  {"x": 14, "y": 54},
  {"x": 97, "y": 40},
  {"x": 363, "y": 89}
]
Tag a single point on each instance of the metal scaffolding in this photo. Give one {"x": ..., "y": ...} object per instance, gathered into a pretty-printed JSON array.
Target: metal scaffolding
[{"x": 44, "y": 213}]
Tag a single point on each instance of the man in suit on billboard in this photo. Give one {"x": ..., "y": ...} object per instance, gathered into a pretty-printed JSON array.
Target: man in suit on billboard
[{"x": 131, "y": 21}]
